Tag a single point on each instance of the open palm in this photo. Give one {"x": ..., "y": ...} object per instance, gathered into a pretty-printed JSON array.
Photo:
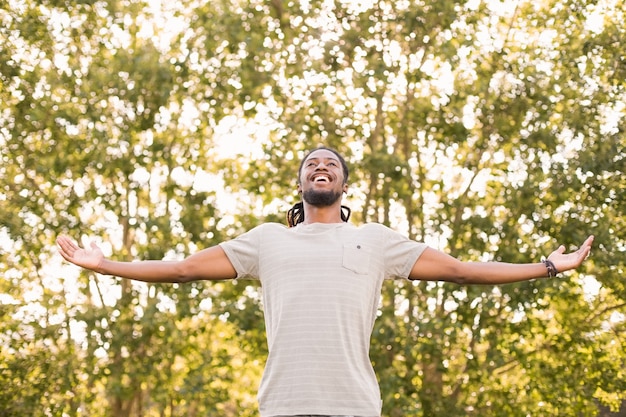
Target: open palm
[
  {"x": 87, "y": 258},
  {"x": 565, "y": 261}
]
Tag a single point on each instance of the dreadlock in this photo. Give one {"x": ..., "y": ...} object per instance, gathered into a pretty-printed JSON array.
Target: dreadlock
[{"x": 295, "y": 215}]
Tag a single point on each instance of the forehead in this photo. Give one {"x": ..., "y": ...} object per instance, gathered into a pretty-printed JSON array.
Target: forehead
[{"x": 322, "y": 154}]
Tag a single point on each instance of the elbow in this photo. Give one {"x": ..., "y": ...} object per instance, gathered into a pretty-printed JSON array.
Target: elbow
[
  {"x": 182, "y": 273},
  {"x": 472, "y": 273},
  {"x": 458, "y": 273},
  {"x": 459, "y": 280}
]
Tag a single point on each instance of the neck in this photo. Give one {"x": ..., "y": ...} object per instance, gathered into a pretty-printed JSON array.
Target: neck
[{"x": 328, "y": 214}]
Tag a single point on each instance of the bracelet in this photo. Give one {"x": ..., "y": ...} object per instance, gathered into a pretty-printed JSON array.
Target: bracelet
[{"x": 552, "y": 271}]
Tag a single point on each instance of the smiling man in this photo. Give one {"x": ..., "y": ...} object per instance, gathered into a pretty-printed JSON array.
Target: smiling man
[
  {"x": 324, "y": 180},
  {"x": 321, "y": 280}
]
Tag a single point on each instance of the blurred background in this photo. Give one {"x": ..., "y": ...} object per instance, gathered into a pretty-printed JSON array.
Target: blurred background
[{"x": 491, "y": 130}]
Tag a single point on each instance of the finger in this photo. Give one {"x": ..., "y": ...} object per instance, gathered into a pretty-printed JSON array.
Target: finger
[
  {"x": 67, "y": 248},
  {"x": 64, "y": 251},
  {"x": 62, "y": 241},
  {"x": 63, "y": 255},
  {"x": 584, "y": 249}
]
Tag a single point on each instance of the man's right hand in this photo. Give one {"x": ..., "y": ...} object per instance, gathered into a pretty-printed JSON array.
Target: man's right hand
[{"x": 87, "y": 258}]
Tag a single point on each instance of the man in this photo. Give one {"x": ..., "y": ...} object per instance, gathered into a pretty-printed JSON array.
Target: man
[{"x": 321, "y": 280}]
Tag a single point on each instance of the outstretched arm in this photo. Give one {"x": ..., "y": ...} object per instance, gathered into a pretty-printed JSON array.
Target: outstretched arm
[
  {"x": 434, "y": 265},
  {"x": 208, "y": 264}
]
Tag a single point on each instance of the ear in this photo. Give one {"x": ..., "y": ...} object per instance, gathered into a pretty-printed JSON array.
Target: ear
[
  {"x": 299, "y": 189},
  {"x": 345, "y": 188}
]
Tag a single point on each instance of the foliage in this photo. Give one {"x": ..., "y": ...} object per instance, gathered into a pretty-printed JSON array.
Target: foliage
[{"x": 490, "y": 132}]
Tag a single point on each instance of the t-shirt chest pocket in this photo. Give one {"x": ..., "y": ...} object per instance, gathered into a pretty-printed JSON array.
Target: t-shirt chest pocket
[{"x": 356, "y": 258}]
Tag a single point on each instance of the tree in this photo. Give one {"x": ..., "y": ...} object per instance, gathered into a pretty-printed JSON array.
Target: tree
[{"x": 488, "y": 132}]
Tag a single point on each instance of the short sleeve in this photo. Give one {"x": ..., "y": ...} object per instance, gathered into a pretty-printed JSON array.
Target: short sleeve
[
  {"x": 401, "y": 253},
  {"x": 243, "y": 252}
]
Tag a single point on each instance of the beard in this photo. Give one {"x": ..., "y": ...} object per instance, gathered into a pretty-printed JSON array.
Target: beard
[{"x": 321, "y": 198}]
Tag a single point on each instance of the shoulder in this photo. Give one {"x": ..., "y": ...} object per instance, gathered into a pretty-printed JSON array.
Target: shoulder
[
  {"x": 258, "y": 233},
  {"x": 266, "y": 229},
  {"x": 386, "y": 235},
  {"x": 377, "y": 228},
  {"x": 377, "y": 232},
  {"x": 271, "y": 227}
]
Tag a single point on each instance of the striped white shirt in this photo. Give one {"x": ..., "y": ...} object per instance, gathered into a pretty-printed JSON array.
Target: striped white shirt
[{"x": 321, "y": 288}]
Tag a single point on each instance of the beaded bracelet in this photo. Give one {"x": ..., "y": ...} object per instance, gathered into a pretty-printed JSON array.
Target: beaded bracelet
[{"x": 552, "y": 271}]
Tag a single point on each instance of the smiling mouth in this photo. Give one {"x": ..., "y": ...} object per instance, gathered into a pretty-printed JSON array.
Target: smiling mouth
[{"x": 321, "y": 178}]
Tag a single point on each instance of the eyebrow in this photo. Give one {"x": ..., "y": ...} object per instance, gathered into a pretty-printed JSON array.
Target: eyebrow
[{"x": 325, "y": 158}]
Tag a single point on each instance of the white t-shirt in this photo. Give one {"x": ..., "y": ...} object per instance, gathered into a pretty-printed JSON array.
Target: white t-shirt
[{"x": 321, "y": 289}]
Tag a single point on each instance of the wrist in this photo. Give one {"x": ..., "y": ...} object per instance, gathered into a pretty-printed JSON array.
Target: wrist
[
  {"x": 550, "y": 267},
  {"x": 101, "y": 267}
]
